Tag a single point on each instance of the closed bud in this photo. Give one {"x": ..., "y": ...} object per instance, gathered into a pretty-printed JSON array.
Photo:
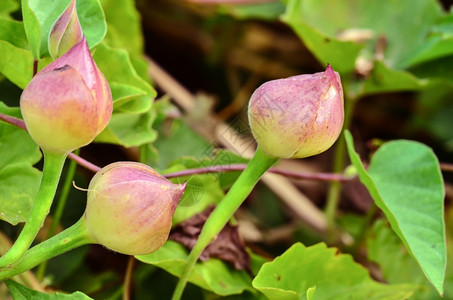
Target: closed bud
[
  {"x": 68, "y": 103},
  {"x": 130, "y": 207},
  {"x": 66, "y": 32},
  {"x": 299, "y": 116}
]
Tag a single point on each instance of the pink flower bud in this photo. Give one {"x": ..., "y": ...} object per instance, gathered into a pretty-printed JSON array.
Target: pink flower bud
[
  {"x": 130, "y": 207},
  {"x": 299, "y": 116},
  {"x": 68, "y": 103},
  {"x": 66, "y": 32}
]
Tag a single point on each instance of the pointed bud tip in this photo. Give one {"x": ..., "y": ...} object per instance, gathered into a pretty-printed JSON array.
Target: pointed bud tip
[{"x": 329, "y": 71}]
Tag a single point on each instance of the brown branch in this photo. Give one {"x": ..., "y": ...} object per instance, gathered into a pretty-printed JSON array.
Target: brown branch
[{"x": 446, "y": 167}]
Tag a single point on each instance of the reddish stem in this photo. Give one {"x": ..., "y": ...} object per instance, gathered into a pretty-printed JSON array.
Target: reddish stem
[
  {"x": 35, "y": 67},
  {"x": 241, "y": 167}
]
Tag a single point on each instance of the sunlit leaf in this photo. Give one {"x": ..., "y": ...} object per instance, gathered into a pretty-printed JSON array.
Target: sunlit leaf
[
  {"x": 32, "y": 28},
  {"x": 19, "y": 181},
  {"x": 397, "y": 265},
  {"x": 13, "y": 32},
  {"x": 318, "y": 272},
  {"x": 16, "y": 64},
  {"x": 7, "y": 7},
  {"x": 404, "y": 180}
]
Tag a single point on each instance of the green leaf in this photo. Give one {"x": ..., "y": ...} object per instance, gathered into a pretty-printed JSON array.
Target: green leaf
[
  {"x": 91, "y": 18},
  {"x": 327, "y": 49},
  {"x": 383, "y": 79},
  {"x": 324, "y": 30},
  {"x": 32, "y": 28},
  {"x": 13, "y": 32},
  {"x": 18, "y": 154},
  {"x": 125, "y": 82},
  {"x": 20, "y": 292},
  {"x": 16, "y": 64},
  {"x": 7, "y": 7},
  {"x": 212, "y": 275},
  {"x": 405, "y": 182},
  {"x": 397, "y": 266},
  {"x": 129, "y": 130},
  {"x": 438, "y": 44},
  {"x": 318, "y": 272},
  {"x": 124, "y": 25},
  {"x": 174, "y": 134}
]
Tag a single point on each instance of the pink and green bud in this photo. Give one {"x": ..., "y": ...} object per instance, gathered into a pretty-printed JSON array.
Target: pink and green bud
[
  {"x": 68, "y": 103},
  {"x": 66, "y": 32},
  {"x": 130, "y": 207},
  {"x": 299, "y": 116}
]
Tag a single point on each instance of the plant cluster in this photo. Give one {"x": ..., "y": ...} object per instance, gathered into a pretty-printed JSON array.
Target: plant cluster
[{"x": 74, "y": 75}]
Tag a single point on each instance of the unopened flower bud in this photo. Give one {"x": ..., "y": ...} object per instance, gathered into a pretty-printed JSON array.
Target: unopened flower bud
[
  {"x": 68, "y": 103},
  {"x": 66, "y": 32},
  {"x": 299, "y": 116},
  {"x": 130, "y": 207}
]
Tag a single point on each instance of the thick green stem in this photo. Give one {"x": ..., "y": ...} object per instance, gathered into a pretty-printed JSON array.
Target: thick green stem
[
  {"x": 75, "y": 236},
  {"x": 61, "y": 203},
  {"x": 53, "y": 164},
  {"x": 259, "y": 164}
]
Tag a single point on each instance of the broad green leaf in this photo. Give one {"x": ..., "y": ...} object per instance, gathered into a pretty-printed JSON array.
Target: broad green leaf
[
  {"x": 123, "y": 94},
  {"x": 129, "y": 129},
  {"x": 175, "y": 140},
  {"x": 327, "y": 49},
  {"x": 122, "y": 71},
  {"x": 212, "y": 275},
  {"x": 32, "y": 28},
  {"x": 7, "y": 7},
  {"x": 124, "y": 25},
  {"x": 90, "y": 15},
  {"x": 404, "y": 180},
  {"x": 383, "y": 79},
  {"x": 337, "y": 32},
  {"x": 20, "y": 292},
  {"x": 16, "y": 64},
  {"x": 123, "y": 78},
  {"x": 318, "y": 272},
  {"x": 438, "y": 44},
  {"x": 18, "y": 154},
  {"x": 13, "y": 32},
  {"x": 397, "y": 266},
  {"x": 92, "y": 20}
]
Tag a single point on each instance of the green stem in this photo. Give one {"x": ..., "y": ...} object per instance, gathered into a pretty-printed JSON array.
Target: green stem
[
  {"x": 333, "y": 194},
  {"x": 75, "y": 236},
  {"x": 53, "y": 165},
  {"x": 61, "y": 203},
  {"x": 256, "y": 167}
]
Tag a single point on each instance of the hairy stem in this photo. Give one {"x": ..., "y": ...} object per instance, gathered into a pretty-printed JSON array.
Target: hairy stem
[
  {"x": 53, "y": 165},
  {"x": 256, "y": 167},
  {"x": 75, "y": 236}
]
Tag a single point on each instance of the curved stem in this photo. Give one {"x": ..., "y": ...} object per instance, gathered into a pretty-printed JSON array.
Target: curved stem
[
  {"x": 256, "y": 167},
  {"x": 75, "y": 236},
  {"x": 53, "y": 165},
  {"x": 61, "y": 203}
]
